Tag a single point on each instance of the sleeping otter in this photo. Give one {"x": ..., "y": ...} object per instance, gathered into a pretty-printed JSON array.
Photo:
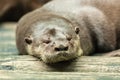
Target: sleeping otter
[{"x": 66, "y": 29}]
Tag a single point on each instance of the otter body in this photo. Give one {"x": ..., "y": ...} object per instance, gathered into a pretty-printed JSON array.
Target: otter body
[{"x": 65, "y": 29}]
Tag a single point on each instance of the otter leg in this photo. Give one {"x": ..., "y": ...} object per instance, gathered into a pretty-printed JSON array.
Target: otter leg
[
  {"x": 105, "y": 36},
  {"x": 115, "y": 53}
]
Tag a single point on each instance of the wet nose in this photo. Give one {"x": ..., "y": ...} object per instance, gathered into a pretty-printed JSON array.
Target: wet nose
[{"x": 61, "y": 48}]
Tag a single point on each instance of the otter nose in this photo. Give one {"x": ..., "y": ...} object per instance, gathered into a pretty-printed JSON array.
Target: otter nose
[{"x": 61, "y": 48}]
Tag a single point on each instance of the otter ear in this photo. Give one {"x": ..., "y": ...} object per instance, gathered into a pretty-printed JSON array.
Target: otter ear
[
  {"x": 28, "y": 40},
  {"x": 77, "y": 30}
]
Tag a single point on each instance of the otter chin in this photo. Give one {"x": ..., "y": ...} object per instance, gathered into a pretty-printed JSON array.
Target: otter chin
[{"x": 54, "y": 43}]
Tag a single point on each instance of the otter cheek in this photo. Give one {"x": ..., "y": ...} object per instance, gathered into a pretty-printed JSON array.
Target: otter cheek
[
  {"x": 38, "y": 51},
  {"x": 29, "y": 49},
  {"x": 79, "y": 50},
  {"x": 46, "y": 53}
]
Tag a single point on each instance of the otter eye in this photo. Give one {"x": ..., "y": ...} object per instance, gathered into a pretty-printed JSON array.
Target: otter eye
[
  {"x": 28, "y": 40},
  {"x": 46, "y": 41},
  {"x": 77, "y": 30}
]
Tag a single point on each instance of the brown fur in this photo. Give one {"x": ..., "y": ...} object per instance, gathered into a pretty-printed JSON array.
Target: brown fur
[
  {"x": 98, "y": 20},
  {"x": 12, "y": 10},
  {"x": 107, "y": 20}
]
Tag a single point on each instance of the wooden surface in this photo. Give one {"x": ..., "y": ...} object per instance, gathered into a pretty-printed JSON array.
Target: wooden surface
[{"x": 16, "y": 67}]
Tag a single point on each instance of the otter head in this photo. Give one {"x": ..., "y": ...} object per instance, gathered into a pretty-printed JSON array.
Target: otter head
[{"x": 54, "y": 40}]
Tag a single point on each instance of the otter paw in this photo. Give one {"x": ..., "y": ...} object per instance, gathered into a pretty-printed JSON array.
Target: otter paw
[{"x": 115, "y": 53}]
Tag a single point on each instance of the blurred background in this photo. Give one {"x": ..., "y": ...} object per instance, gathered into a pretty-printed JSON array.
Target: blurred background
[{"x": 13, "y": 10}]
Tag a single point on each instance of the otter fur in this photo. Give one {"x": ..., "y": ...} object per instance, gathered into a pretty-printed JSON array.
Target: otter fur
[
  {"x": 13, "y": 10},
  {"x": 66, "y": 29}
]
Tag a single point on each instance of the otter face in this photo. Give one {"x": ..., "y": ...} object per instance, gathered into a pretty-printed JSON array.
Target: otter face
[{"x": 54, "y": 43}]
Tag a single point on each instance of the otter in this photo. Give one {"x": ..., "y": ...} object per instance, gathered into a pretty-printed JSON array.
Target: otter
[
  {"x": 66, "y": 29},
  {"x": 13, "y": 10}
]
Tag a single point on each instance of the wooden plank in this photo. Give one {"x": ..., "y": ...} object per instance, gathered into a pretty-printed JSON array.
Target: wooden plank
[
  {"x": 84, "y": 68},
  {"x": 83, "y": 64},
  {"x": 6, "y": 49},
  {"x": 23, "y": 75}
]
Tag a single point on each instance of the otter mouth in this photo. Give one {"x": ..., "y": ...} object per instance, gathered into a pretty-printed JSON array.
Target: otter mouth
[
  {"x": 63, "y": 54},
  {"x": 60, "y": 56}
]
